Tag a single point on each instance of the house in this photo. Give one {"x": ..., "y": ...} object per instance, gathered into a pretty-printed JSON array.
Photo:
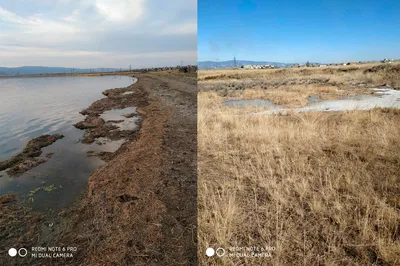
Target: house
[{"x": 387, "y": 61}]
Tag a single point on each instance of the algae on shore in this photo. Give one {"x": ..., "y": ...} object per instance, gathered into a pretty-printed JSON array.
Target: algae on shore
[{"x": 27, "y": 159}]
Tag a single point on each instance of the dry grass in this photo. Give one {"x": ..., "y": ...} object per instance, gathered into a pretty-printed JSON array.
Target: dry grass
[
  {"x": 297, "y": 95},
  {"x": 367, "y": 73},
  {"x": 323, "y": 188},
  {"x": 343, "y": 77}
]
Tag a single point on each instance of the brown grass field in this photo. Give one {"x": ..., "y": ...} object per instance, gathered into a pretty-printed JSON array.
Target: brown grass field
[{"x": 323, "y": 188}]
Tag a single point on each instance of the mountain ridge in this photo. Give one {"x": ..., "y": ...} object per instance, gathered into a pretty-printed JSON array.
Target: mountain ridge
[{"x": 37, "y": 70}]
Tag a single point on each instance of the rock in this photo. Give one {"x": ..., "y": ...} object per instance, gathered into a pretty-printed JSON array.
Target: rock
[{"x": 129, "y": 115}]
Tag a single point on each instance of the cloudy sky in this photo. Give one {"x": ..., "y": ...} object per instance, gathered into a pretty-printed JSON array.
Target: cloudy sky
[{"x": 98, "y": 33}]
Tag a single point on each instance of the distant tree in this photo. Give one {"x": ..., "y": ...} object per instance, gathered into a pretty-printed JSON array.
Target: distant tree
[{"x": 307, "y": 64}]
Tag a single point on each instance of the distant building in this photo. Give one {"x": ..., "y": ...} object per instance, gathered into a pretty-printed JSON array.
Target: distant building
[
  {"x": 387, "y": 61},
  {"x": 258, "y": 67}
]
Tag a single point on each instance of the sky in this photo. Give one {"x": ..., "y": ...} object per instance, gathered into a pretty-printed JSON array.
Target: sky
[
  {"x": 98, "y": 33},
  {"x": 294, "y": 31}
]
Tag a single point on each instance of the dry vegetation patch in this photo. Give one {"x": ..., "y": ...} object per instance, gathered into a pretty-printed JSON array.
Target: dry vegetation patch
[
  {"x": 323, "y": 188},
  {"x": 293, "y": 86}
]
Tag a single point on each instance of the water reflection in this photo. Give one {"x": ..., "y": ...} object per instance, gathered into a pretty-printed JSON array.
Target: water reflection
[{"x": 30, "y": 107}]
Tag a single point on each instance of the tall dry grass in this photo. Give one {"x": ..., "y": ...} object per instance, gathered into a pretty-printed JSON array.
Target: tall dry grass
[{"x": 323, "y": 188}]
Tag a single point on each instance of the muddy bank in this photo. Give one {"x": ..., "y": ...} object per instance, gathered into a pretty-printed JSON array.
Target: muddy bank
[
  {"x": 140, "y": 208},
  {"x": 121, "y": 98},
  {"x": 28, "y": 158},
  {"x": 145, "y": 197}
]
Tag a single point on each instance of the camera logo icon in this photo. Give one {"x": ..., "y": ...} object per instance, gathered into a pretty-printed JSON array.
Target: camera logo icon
[
  {"x": 22, "y": 252},
  {"x": 211, "y": 252}
]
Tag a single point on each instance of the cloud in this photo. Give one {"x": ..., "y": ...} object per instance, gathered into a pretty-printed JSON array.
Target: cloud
[
  {"x": 73, "y": 17},
  {"x": 34, "y": 23},
  {"x": 14, "y": 56},
  {"x": 90, "y": 29},
  {"x": 8, "y": 16},
  {"x": 184, "y": 28},
  {"x": 18, "y": 51},
  {"x": 121, "y": 10}
]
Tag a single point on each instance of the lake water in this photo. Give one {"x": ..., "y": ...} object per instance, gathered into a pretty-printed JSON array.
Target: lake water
[{"x": 31, "y": 107}]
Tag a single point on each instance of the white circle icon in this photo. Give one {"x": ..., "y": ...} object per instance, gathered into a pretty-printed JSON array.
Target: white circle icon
[
  {"x": 220, "y": 252},
  {"x": 12, "y": 252},
  {"x": 210, "y": 252},
  {"x": 22, "y": 252}
]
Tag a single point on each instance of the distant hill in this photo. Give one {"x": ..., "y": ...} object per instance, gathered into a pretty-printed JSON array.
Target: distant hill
[
  {"x": 33, "y": 70},
  {"x": 204, "y": 65}
]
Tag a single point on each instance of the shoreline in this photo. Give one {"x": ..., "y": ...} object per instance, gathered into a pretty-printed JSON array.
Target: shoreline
[
  {"x": 28, "y": 158},
  {"x": 133, "y": 180}
]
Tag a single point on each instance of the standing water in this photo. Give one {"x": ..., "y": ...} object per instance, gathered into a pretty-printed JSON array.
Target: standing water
[
  {"x": 31, "y": 107},
  {"x": 382, "y": 98}
]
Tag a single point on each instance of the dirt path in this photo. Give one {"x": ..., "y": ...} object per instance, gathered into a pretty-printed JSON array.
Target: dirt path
[{"x": 140, "y": 208}]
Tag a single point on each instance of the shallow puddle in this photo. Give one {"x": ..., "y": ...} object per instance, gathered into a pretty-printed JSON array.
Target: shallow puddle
[
  {"x": 124, "y": 123},
  {"x": 383, "y": 98},
  {"x": 107, "y": 145}
]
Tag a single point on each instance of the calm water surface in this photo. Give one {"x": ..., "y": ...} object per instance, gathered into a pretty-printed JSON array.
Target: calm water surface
[{"x": 31, "y": 107}]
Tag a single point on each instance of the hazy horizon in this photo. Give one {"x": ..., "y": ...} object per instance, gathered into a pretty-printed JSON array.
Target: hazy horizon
[{"x": 100, "y": 67}]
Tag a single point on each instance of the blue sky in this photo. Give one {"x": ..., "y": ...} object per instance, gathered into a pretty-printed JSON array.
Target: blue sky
[
  {"x": 298, "y": 31},
  {"x": 98, "y": 33}
]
